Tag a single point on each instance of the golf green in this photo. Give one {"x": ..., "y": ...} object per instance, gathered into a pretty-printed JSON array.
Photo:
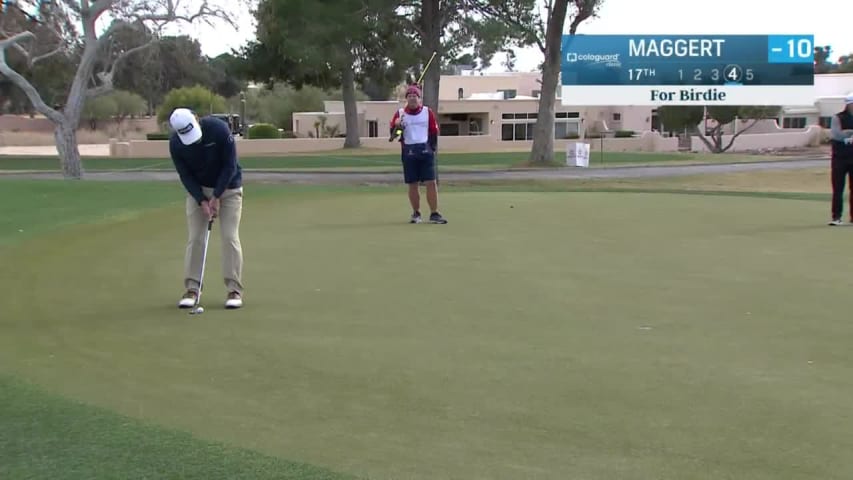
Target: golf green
[{"x": 538, "y": 335}]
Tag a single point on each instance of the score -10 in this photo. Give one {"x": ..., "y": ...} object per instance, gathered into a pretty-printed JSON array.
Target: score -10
[{"x": 730, "y": 73}]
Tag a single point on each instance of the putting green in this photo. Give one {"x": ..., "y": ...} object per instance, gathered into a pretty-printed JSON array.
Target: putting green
[{"x": 537, "y": 335}]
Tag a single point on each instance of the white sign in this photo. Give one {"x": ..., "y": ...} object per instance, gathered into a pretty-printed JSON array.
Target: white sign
[{"x": 577, "y": 154}]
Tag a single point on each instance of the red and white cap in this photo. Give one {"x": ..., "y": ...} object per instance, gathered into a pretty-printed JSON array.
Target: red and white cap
[{"x": 413, "y": 90}]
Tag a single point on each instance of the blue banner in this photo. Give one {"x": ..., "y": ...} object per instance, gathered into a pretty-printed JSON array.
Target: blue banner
[{"x": 687, "y": 60}]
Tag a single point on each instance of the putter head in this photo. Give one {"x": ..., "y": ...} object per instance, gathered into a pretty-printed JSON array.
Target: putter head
[{"x": 197, "y": 310}]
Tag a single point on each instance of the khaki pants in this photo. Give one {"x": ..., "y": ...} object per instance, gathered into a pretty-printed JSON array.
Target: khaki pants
[{"x": 228, "y": 223}]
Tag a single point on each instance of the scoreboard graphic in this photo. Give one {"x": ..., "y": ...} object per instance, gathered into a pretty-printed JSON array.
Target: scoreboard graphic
[{"x": 656, "y": 70}]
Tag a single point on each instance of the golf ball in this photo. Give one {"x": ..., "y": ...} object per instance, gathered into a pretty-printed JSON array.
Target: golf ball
[{"x": 199, "y": 310}]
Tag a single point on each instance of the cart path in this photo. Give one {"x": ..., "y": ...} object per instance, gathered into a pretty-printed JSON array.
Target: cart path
[{"x": 356, "y": 177}]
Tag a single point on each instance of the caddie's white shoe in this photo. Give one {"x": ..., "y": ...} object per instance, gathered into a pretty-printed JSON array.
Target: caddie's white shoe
[{"x": 234, "y": 300}]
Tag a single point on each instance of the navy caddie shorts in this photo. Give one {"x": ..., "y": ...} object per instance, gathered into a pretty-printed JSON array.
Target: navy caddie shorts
[{"x": 418, "y": 163}]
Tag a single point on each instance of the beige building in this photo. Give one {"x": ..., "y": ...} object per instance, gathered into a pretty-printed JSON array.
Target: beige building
[
  {"x": 830, "y": 90},
  {"x": 504, "y": 107},
  {"x": 501, "y": 106}
]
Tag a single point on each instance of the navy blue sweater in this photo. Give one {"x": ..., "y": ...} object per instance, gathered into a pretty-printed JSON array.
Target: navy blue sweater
[{"x": 211, "y": 162}]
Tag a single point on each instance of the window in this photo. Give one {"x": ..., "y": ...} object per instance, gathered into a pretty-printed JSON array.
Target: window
[
  {"x": 825, "y": 122},
  {"x": 617, "y": 117},
  {"x": 508, "y": 94},
  {"x": 517, "y": 131},
  {"x": 510, "y": 116},
  {"x": 448, "y": 129},
  {"x": 373, "y": 128},
  {"x": 566, "y": 129},
  {"x": 794, "y": 122},
  {"x": 567, "y": 115},
  {"x": 461, "y": 93},
  {"x": 518, "y": 126}
]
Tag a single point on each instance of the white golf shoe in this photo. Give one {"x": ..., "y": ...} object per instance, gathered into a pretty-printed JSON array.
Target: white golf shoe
[
  {"x": 188, "y": 300},
  {"x": 234, "y": 300}
]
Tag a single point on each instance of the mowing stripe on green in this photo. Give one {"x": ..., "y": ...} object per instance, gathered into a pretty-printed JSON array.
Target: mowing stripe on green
[{"x": 48, "y": 437}]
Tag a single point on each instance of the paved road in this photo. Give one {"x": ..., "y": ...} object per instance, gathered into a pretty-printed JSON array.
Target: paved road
[
  {"x": 379, "y": 178},
  {"x": 86, "y": 150}
]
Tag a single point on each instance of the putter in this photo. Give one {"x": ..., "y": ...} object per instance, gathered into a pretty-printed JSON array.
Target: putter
[{"x": 197, "y": 308}]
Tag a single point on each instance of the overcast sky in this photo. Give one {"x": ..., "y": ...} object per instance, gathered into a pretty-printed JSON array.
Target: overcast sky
[{"x": 830, "y": 21}]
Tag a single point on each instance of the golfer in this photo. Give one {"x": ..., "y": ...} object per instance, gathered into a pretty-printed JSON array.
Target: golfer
[
  {"x": 419, "y": 143},
  {"x": 841, "y": 133},
  {"x": 205, "y": 158}
]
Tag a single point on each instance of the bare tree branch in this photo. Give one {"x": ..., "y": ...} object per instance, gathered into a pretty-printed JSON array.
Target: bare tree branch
[
  {"x": 72, "y": 5},
  {"x": 586, "y": 9},
  {"x": 97, "y": 8},
  {"x": 106, "y": 77},
  {"x": 740, "y": 132},
  {"x": 28, "y": 54},
  {"x": 22, "y": 82}
]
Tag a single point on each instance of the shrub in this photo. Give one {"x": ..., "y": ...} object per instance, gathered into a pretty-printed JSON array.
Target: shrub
[
  {"x": 157, "y": 136},
  {"x": 624, "y": 133},
  {"x": 198, "y": 99},
  {"x": 263, "y": 130}
]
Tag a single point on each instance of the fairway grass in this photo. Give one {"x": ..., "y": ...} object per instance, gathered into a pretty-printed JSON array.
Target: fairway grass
[
  {"x": 381, "y": 162},
  {"x": 548, "y": 335}
]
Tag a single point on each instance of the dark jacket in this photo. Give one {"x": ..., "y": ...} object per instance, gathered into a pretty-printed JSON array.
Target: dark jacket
[
  {"x": 212, "y": 162},
  {"x": 840, "y": 150}
]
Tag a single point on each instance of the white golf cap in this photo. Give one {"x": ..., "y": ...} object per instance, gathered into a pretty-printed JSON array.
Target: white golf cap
[
  {"x": 185, "y": 123},
  {"x": 849, "y": 100}
]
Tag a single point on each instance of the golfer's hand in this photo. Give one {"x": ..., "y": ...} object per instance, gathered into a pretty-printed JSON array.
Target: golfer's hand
[
  {"x": 848, "y": 140},
  {"x": 214, "y": 207},
  {"x": 206, "y": 208},
  {"x": 398, "y": 122}
]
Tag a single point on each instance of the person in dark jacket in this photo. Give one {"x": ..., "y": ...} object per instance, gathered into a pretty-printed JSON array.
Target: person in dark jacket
[
  {"x": 205, "y": 158},
  {"x": 841, "y": 138}
]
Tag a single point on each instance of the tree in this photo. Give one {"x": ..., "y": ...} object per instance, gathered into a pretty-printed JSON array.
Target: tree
[
  {"x": 723, "y": 115},
  {"x": 546, "y": 31},
  {"x": 97, "y": 60},
  {"x": 225, "y": 78},
  {"x": 821, "y": 59},
  {"x": 823, "y": 64},
  {"x": 276, "y": 105},
  {"x": 447, "y": 27},
  {"x": 676, "y": 118},
  {"x": 845, "y": 64},
  {"x": 322, "y": 43},
  {"x": 127, "y": 105},
  {"x": 198, "y": 99},
  {"x": 98, "y": 109},
  {"x": 689, "y": 117}
]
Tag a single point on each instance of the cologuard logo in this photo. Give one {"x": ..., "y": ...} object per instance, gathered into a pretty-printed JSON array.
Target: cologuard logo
[{"x": 610, "y": 60}]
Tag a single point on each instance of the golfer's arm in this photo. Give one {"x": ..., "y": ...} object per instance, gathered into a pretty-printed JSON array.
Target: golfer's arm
[
  {"x": 190, "y": 184},
  {"x": 835, "y": 131},
  {"x": 229, "y": 165}
]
